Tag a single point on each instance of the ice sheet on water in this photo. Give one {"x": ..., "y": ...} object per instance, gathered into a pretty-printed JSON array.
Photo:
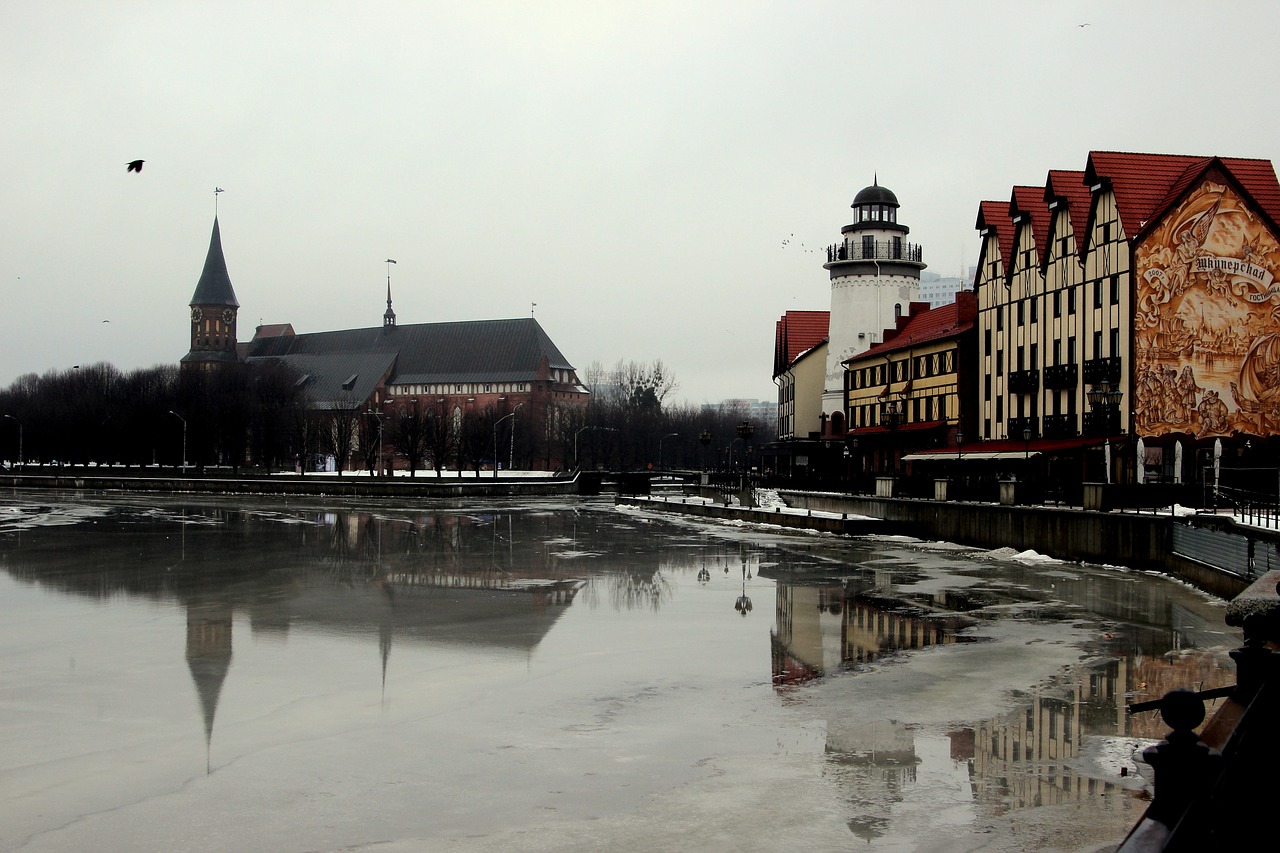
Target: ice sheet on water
[{"x": 27, "y": 516}]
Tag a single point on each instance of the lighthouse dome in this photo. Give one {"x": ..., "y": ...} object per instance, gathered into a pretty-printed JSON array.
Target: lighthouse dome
[{"x": 875, "y": 194}]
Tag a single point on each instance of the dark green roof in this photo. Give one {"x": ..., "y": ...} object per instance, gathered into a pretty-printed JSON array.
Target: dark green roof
[
  {"x": 214, "y": 287},
  {"x": 471, "y": 351}
]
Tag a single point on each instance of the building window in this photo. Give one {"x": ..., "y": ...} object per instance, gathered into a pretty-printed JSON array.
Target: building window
[
  {"x": 1035, "y": 352},
  {"x": 1021, "y": 352},
  {"x": 986, "y": 342},
  {"x": 1097, "y": 294},
  {"x": 1071, "y": 350},
  {"x": 1115, "y": 343},
  {"x": 999, "y": 409},
  {"x": 986, "y": 386},
  {"x": 1020, "y": 312},
  {"x": 1035, "y": 310},
  {"x": 1000, "y": 362},
  {"x": 1057, "y": 303},
  {"x": 1097, "y": 344},
  {"x": 1000, "y": 319},
  {"x": 1115, "y": 290},
  {"x": 1071, "y": 300}
]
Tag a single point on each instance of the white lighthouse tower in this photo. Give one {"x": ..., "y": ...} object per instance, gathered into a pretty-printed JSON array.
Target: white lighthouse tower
[{"x": 875, "y": 276}]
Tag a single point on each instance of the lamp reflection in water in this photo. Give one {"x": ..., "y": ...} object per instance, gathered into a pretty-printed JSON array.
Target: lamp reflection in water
[{"x": 743, "y": 604}]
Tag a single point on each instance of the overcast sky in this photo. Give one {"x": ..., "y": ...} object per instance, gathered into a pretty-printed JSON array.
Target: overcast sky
[{"x": 631, "y": 168}]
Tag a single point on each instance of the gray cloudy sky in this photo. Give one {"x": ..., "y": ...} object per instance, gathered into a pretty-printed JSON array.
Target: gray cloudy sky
[{"x": 633, "y": 168}]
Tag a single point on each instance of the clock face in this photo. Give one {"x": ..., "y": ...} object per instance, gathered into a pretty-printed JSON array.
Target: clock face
[
  {"x": 196, "y": 314},
  {"x": 227, "y": 316}
]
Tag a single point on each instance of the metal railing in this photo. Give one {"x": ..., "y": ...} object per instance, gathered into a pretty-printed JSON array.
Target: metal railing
[
  {"x": 874, "y": 250},
  {"x": 1215, "y": 790}
]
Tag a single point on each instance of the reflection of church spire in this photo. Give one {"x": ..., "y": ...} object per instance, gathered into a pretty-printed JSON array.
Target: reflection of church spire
[
  {"x": 385, "y": 628},
  {"x": 209, "y": 658}
]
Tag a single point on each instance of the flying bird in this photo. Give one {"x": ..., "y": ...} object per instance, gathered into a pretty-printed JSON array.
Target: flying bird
[{"x": 134, "y": 166}]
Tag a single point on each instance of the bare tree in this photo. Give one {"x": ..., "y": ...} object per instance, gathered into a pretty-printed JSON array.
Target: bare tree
[{"x": 409, "y": 435}]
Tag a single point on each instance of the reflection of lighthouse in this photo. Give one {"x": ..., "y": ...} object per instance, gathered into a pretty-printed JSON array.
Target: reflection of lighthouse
[{"x": 208, "y": 657}]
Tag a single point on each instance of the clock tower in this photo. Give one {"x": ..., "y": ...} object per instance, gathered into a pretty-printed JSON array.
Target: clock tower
[{"x": 213, "y": 313}]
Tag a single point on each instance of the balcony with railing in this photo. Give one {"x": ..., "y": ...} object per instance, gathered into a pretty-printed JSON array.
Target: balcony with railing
[
  {"x": 1098, "y": 370},
  {"x": 1023, "y": 429},
  {"x": 1024, "y": 381},
  {"x": 1061, "y": 377},
  {"x": 1104, "y": 420},
  {"x": 1059, "y": 426},
  {"x": 874, "y": 250}
]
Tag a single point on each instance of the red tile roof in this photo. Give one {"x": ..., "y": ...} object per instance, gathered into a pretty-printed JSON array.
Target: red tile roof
[
  {"x": 1146, "y": 184},
  {"x": 936, "y": 324},
  {"x": 1030, "y": 201},
  {"x": 1068, "y": 185},
  {"x": 797, "y": 332},
  {"x": 995, "y": 214}
]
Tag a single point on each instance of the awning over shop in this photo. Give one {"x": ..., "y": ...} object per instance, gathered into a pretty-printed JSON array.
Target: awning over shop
[
  {"x": 1005, "y": 449},
  {"x": 935, "y": 455}
]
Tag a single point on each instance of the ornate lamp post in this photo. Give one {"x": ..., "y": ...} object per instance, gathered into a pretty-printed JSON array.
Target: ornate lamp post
[
  {"x": 1026, "y": 445},
  {"x": 745, "y": 430},
  {"x": 1105, "y": 404},
  {"x": 892, "y": 420}
]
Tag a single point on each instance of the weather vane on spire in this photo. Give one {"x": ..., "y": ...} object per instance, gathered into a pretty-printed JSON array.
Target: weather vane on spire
[{"x": 216, "y": 190}]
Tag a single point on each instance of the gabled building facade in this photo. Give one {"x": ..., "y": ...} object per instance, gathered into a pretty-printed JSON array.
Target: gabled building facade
[
  {"x": 914, "y": 390},
  {"x": 1132, "y": 303},
  {"x": 799, "y": 371}
]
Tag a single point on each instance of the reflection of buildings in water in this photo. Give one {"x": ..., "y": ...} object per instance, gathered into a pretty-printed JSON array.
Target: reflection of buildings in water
[
  {"x": 878, "y": 755},
  {"x": 1023, "y": 758},
  {"x": 208, "y": 657},
  {"x": 1153, "y": 677},
  {"x": 825, "y": 625},
  {"x": 490, "y": 608},
  {"x": 806, "y": 641}
]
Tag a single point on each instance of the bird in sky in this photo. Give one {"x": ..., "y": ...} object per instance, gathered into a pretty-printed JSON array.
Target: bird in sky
[{"x": 134, "y": 166}]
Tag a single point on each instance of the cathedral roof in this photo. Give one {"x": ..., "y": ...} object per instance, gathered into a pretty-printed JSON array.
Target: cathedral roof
[
  {"x": 214, "y": 287},
  {"x": 422, "y": 353}
]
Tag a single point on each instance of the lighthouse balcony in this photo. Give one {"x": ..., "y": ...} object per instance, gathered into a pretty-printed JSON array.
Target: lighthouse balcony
[{"x": 874, "y": 250}]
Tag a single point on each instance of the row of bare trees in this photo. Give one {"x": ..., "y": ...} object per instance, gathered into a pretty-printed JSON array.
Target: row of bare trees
[
  {"x": 259, "y": 415},
  {"x": 97, "y": 414}
]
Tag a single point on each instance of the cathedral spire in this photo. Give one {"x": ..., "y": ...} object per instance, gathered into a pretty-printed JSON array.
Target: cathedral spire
[
  {"x": 389, "y": 316},
  {"x": 214, "y": 287}
]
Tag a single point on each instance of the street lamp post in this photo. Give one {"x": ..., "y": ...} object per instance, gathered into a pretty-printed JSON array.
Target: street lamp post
[
  {"x": 704, "y": 438},
  {"x": 892, "y": 420},
  {"x": 184, "y": 438},
  {"x": 496, "y": 424},
  {"x": 664, "y": 438},
  {"x": 1026, "y": 447},
  {"x": 580, "y": 432},
  {"x": 21, "y": 461}
]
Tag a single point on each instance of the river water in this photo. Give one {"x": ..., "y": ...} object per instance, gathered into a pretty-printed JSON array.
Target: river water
[{"x": 563, "y": 675}]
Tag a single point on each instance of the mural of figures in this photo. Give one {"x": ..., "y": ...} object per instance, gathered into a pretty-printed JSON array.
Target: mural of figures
[{"x": 1206, "y": 334}]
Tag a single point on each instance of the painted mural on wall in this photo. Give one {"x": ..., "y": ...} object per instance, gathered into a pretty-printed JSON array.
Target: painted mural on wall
[{"x": 1207, "y": 321}]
